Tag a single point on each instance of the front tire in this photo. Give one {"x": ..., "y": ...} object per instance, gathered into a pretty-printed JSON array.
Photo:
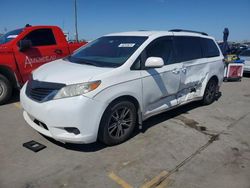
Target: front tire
[
  {"x": 117, "y": 123},
  {"x": 5, "y": 89},
  {"x": 210, "y": 92}
]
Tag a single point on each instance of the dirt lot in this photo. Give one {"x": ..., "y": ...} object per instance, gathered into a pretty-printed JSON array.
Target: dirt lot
[{"x": 190, "y": 147}]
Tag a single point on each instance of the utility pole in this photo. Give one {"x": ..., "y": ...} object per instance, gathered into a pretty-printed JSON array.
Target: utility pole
[{"x": 76, "y": 32}]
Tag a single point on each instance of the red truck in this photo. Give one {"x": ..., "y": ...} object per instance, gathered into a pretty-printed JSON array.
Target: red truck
[{"x": 23, "y": 50}]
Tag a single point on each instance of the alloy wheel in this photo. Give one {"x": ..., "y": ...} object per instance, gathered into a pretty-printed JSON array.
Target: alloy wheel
[
  {"x": 120, "y": 122},
  {"x": 211, "y": 91}
]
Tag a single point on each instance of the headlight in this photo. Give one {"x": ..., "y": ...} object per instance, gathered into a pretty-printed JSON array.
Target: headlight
[{"x": 77, "y": 89}]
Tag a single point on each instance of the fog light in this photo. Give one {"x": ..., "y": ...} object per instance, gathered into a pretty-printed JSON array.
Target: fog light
[{"x": 72, "y": 130}]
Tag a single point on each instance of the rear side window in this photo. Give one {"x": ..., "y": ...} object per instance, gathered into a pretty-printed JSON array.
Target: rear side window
[
  {"x": 161, "y": 48},
  {"x": 245, "y": 53},
  {"x": 41, "y": 37},
  {"x": 209, "y": 48},
  {"x": 187, "y": 48}
]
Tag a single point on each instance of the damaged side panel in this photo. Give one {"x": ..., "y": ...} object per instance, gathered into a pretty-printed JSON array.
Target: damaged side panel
[
  {"x": 193, "y": 76},
  {"x": 160, "y": 87}
]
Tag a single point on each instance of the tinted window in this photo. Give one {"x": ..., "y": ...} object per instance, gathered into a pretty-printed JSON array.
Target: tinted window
[
  {"x": 161, "y": 48},
  {"x": 110, "y": 51},
  {"x": 209, "y": 48},
  {"x": 41, "y": 37},
  {"x": 10, "y": 36},
  {"x": 245, "y": 53},
  {"x": 187, "y": 48}
]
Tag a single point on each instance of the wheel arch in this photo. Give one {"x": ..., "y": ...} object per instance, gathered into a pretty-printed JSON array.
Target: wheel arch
[
  {"x": 131, "y": 99},
  {"x": 214, "y": 77},
  {"x": 115, "y": 100},
  {"x": 126, "y": 98},
  {"x": 9, "y": 74},
  {"x": 208, "y": 79}
]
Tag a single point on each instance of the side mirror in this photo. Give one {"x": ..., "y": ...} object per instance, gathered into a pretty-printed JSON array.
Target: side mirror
[
  {"x": 154, "y": 62},
  {"x": 24, "y": 45}
]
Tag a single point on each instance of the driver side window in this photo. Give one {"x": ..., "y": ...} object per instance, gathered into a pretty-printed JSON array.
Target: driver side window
[
  {"x": 161, "y": 48},
  {"x": 41, "y": 37}
]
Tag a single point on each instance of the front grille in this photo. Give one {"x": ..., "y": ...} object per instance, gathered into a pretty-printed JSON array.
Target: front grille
[
  {"x": 40, "y": 94},
  {"x": 42, "y": 91}
]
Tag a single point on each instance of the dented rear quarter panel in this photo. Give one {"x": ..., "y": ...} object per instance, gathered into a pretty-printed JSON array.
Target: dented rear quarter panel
[{"x": 198, "y": 73}]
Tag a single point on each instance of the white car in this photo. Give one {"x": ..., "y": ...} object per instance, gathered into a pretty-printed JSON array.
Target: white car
[
  {"x": 245, "y": 55},
  {"x": 114, "y": 83}
]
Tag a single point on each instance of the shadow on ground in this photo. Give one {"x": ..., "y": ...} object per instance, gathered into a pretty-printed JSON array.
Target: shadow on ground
[
  {"x": 14, "y": 98},
  {"x": 168, "y": 115},
  {"x": 247, "y": 75},
  {"x": 146, "y": 125},
  {"x": 78, "y": 147}
]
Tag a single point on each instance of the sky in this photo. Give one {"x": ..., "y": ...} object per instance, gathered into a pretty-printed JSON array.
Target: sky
[{"x": 99, "y": 17}]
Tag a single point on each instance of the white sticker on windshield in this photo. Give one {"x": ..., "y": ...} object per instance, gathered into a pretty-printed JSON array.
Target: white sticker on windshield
[
  {"x": 126, "y": 45},
  {"x": 12, "y": 36}
]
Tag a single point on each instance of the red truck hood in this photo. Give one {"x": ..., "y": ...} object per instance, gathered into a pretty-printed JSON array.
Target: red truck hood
[{"x": 61, "y": 71}]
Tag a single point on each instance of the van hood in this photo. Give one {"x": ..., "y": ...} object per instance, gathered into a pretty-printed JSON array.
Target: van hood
[{"x": 61, "y": 71}]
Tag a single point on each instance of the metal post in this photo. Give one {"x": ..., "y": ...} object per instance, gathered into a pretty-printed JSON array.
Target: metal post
[{"x": 76, "y": 32}]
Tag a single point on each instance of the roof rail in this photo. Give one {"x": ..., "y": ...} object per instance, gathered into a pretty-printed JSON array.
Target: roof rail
[{"x": 190, "y": 31}]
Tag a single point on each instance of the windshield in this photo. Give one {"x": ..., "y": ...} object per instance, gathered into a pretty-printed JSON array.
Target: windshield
[
  {"x": 7, "y": 37},
  {"x": 245, "y": 53},
  {"x": 110, "y": 51}
]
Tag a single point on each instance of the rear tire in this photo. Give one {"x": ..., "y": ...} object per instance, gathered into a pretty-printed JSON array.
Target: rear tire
[
  {"x": 210, "y": 92},
  {"x": 117, "y": 123},
  {"x": 5, "y": 89}
]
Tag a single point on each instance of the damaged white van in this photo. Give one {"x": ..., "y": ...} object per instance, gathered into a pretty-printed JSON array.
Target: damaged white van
[{"x": 107, "y": 87}]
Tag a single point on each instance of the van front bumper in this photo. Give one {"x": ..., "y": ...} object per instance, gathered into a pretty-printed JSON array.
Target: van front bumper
[{"x": 55, "y": 118}]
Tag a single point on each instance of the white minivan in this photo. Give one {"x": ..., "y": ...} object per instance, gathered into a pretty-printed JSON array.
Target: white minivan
[{"x": 114, "y": 83}]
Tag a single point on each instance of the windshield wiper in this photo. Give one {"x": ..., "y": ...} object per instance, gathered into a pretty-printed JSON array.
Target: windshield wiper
[
  {"x": 81, "y": 61},
  {"x": 72, "y": 59},
  {"x": 88, "y": 63}
]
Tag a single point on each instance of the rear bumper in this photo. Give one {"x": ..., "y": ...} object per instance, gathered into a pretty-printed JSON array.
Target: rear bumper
[
  {"x": 78, "y": 112},
  {"x": 247, "y": 68}
]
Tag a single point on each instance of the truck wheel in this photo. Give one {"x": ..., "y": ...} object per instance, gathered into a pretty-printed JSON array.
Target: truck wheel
[
  {"x": 117, "y": 123},
  {"x": 210, "y": 92},
  {"x": 5, "y": 89}
]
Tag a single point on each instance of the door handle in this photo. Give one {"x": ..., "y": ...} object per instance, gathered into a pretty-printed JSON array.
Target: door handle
[
  {"x": 176, "y": 71},
  {"x": 184, "y": 69},
  {"x": 58, "y": 51}
]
